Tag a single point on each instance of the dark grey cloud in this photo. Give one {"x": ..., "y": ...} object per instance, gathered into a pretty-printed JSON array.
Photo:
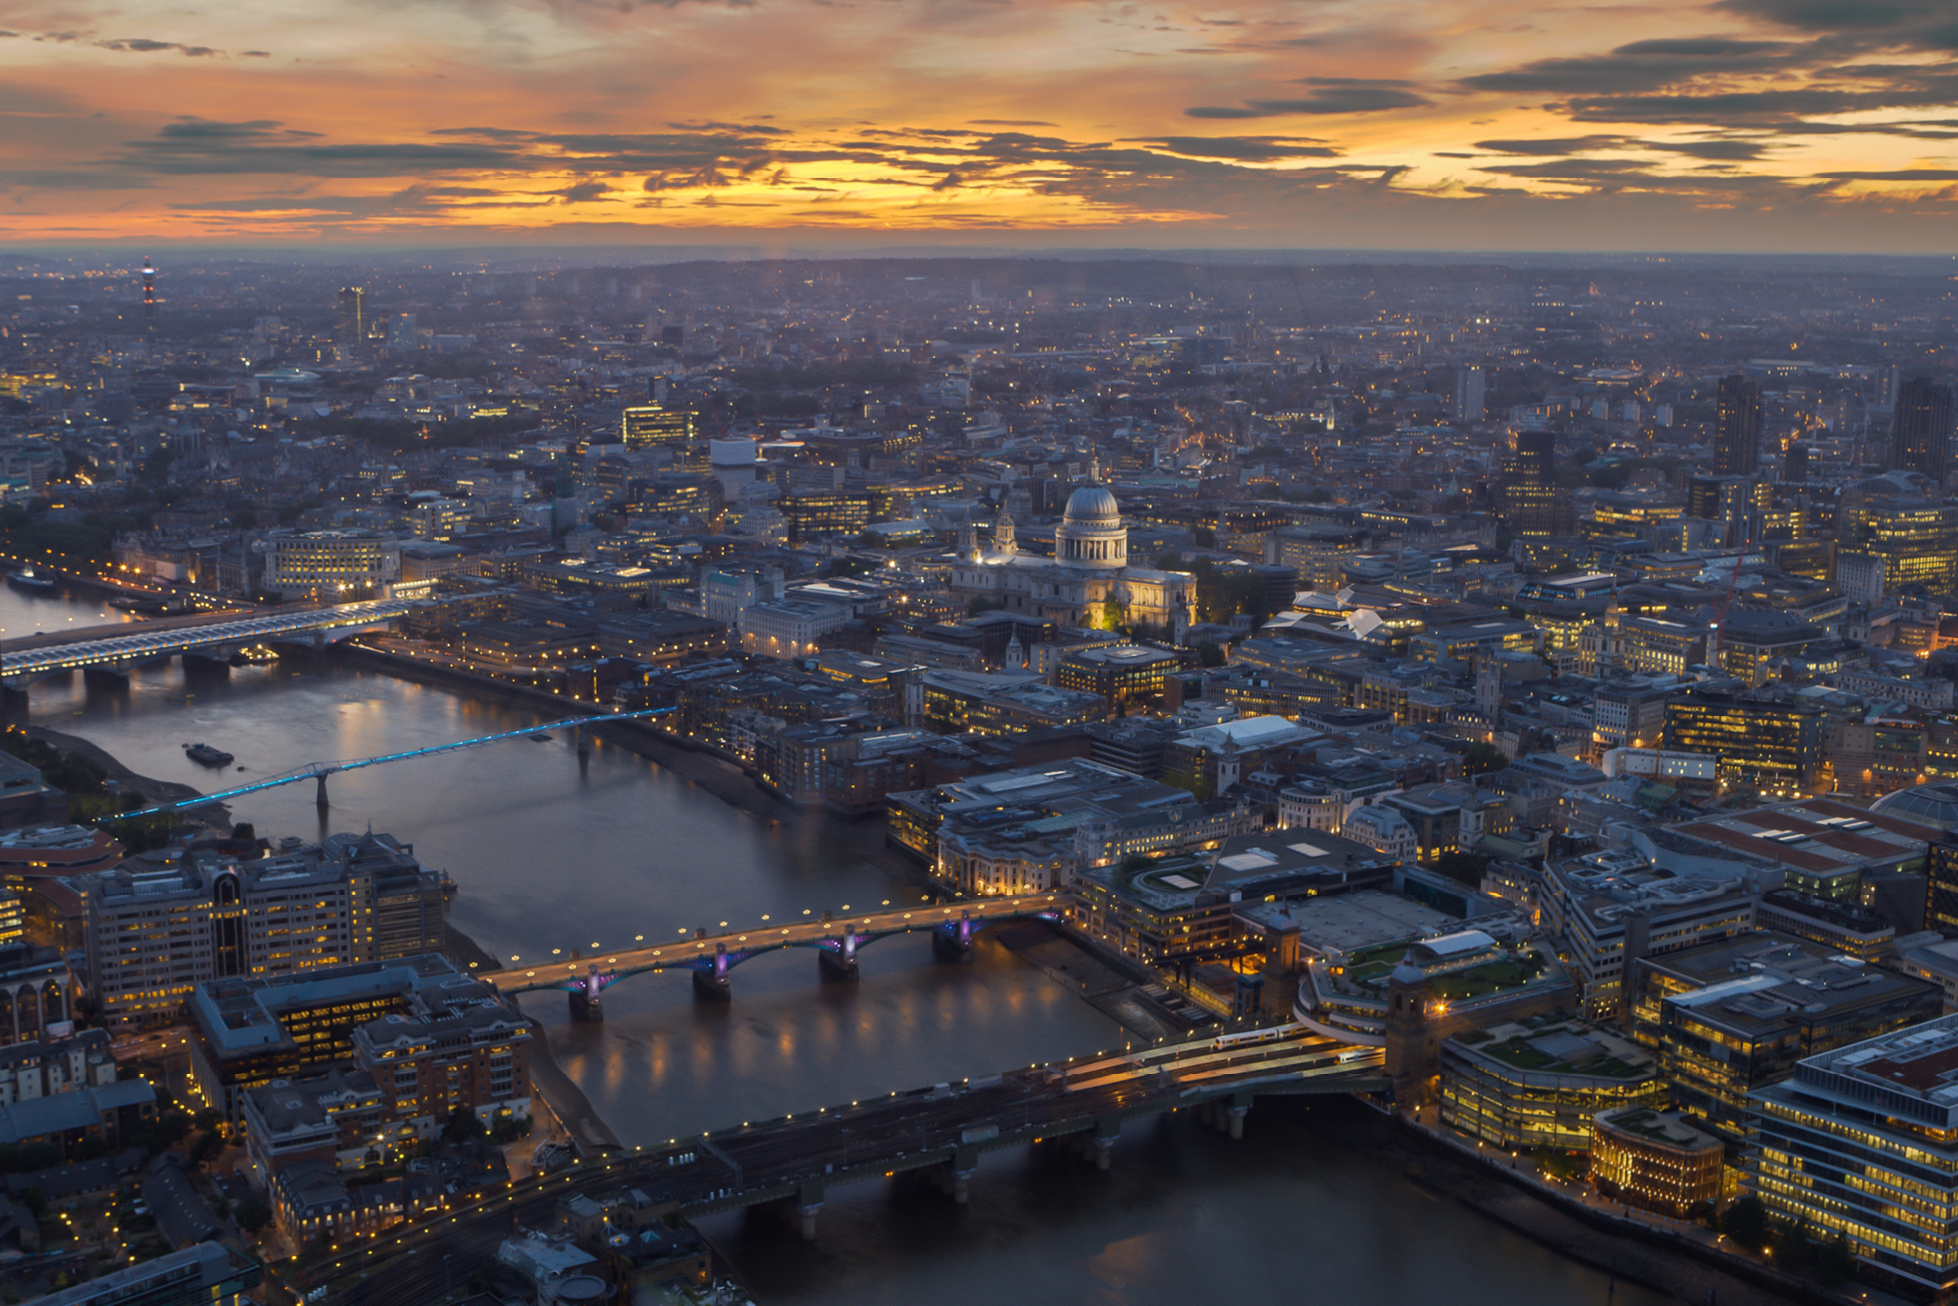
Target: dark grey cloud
[
  {"x": 1929, "y": 23},
  {"x": 1329, "y": 96},
  {"x": 1725, "y": 151},
  {"x": 1640, "y": 66},
  {"x": 140, "y": 45}
]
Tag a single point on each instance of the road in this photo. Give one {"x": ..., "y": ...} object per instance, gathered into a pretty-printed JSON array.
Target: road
[{"x": 796, "y": 1156}]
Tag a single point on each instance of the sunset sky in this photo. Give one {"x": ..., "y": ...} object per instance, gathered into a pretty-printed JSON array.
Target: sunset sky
[{"x": 1745, "y": 124}]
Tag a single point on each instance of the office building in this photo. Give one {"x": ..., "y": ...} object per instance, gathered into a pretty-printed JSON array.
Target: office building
[
  {"x": 1737, "y": 427},
  {"x": 1941, "y": 884},
  {"x": 1471, "y": 389},
  {"x": 1540, "y": 1081},
  {"x": 1527, "y": 485},
  {"x": 1612, "y": 909},
  {"x": 1775, "y": 744},
  {"x": 1735, "y": 1015},
  {"x": 1656, "y": 1161},
  {"x": 208, "y": 1274},
  {"x": 159, "y": 927},
  {"x": 1921, "y": 428},
  {"x": 650, "y": 425},
  {"x": 1734, "y": 503},
  {"x": 248, "y": 1032},
  {"x": 1862, "y": 1142},
  {"x": 330, "y": 566},
  {"x": 1031, "y": 828},
  {"x": 351, "y": 329},
  {"x": 950, "y": 702},
  {"x": 1174, "y": 909}
]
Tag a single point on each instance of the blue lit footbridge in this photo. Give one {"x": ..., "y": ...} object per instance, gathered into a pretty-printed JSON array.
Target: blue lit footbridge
[
  {"x": 709, "y": 958},
  {"x": 114, "y": 648},
  {"x": 319, "y": 771}
]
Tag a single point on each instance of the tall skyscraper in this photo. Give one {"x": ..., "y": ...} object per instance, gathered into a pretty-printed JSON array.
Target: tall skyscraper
[
  {"x": 149, "y": 296},
  {"x": 1737, "y": 428},
  {"x": 1471, "y": 394},
  {"x": 1530, "y": 504},
  {"x": 1921, "y": 428},
  {"x": 1794, "y": 462},
  {"x": 353, "y": 318}
]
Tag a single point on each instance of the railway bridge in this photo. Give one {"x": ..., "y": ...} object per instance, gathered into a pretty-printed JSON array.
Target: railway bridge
[
  {"x": 217, "y": 636},
  {"x": 941, "y": 1130}
]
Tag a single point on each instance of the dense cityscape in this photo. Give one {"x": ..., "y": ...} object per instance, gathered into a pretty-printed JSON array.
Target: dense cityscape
[{"x": 1502, "y": 708}]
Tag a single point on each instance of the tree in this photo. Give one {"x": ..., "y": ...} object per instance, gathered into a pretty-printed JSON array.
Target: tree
[
  {"x": 463, "y": 1125},
  {"x": 1483, "y": 758},
  {"x": 244, "y": 830},
  {"x": 1747, "y": 1223},
  {"x": 253, "y": 1213}
]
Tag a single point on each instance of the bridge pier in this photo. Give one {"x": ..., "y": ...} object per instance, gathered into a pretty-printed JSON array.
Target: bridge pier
[
  {"x": 1106, "y": 1132},
  {"x": 114, "y": 677},
  {"x": 319, "y": 799},
  {"x": 841, "y": 964},
  {"x": 713, "y": 985},
  {"x": 808, "y": 1202}
]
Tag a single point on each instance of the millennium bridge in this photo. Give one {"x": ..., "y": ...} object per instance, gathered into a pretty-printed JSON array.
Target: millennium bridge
[{"x": 940, "y": 1131}]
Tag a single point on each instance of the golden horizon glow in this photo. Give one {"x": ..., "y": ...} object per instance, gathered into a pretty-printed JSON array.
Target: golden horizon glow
[{"x": 1738, "y": 124}]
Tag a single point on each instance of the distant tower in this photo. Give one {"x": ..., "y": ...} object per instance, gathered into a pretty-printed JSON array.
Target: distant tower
[
  {"x": 353, "y": 318},
  {"x": 1471, "y": 392},
  {"x": 1016, "y": 654},
  {"x": 1737, "y": 428},
  {"x": 149, "y": 296},
  {"x": 1921, "y": 428}
]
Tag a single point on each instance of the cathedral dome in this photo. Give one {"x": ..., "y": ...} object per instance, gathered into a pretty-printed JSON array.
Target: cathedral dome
[
  {"x": 1091, "y": 533},
  {"x": 1091, "y": 505}
]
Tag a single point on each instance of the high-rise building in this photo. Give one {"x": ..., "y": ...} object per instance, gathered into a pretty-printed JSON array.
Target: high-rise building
[
  {"x": 1794, "y": 463},
  {"x": 1736, "y": 502},
  {"x": 650, "y": 424},
  {"x": 352, "y": 332},
  {"x": 403, "y": 338},
  {"x": 1471, "y": 393},
  {"x": 1530, "y": 504},
  {"x": 1921, "y": 428},
  {"x": 1941, "y": 884},
  {"x": 1737, "y": 428}
]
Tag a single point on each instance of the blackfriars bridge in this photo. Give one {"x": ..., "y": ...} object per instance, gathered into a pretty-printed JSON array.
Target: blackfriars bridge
[{"x": 116, "y": 648}]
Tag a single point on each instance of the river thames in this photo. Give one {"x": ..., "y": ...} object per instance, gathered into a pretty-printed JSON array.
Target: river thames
[{"x": 552, "y": 851}]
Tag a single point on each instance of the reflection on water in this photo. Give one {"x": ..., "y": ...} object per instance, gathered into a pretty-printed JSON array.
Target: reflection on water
[
  {"x": 555, "y": 852},
  {"x": 1184, "y": 1216}
]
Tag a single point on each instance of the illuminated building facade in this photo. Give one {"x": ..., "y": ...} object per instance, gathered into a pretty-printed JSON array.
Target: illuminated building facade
[
  {"x": 1862, "y": 1141},
  {"x": 1089, "y": 580},
  {"x": 649, "y": 425},
  {"x": 1540, "y": 1081},
  {"x": 330, "y": 566},
  {"x": 1774, "y": 744},
  {"x": 1655, "y": 1161},
  {"x": 1732, "y": 1016}
]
